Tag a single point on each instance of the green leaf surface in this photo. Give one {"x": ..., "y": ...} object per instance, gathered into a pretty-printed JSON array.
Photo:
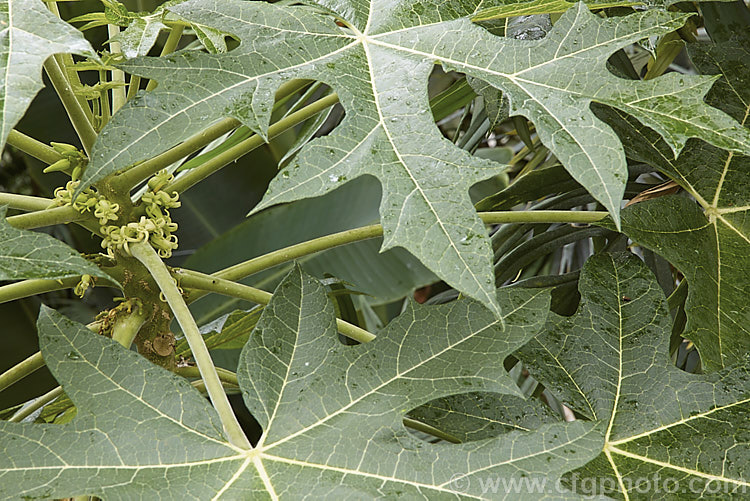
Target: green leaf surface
[
  {"x": 214, "y": 41},
  {"x": 610, "y": 362},
  {"x": 332, "y": 414},
  {"x": 138, "y": 433},
  {"x": 29, "y": 34},
  {"x": 478, "y": 416},
  {"x": 353, "y": 398},
  {"x": 379, "y": 65},
  {"x": 140, "y": 35},
  {"x": 29, "y": 254},
  {"x": 709, "y": 242}
]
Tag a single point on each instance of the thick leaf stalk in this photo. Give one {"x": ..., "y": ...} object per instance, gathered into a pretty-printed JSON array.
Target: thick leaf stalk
[{"x": 151, "y": 260}]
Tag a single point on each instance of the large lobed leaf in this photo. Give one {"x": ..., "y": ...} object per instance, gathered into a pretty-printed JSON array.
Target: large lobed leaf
[
  {"x": 29, "y": 254},
  {"x": 667, "y": 431},
  {"x": 332, "y": 414},
  {"x": 29, "y": 34},
  {"x": 708, "y": 241},
  {"x": 379, "y": 65}
]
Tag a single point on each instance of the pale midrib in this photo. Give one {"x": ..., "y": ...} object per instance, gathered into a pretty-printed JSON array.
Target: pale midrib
[
  {"x": 619, "y": 382},
  {"x": 671, "y": 161},
  {"x": 719, "y": 331},
  {"x": 234, "y": 478},
  {"x": 509, "y": 461},
  {"x": 619, "y": 356},
  {"x": 730, "y": 156},
  {"x": 394, "y": 378},
  {"x": 251, "y": 25},
  {"x": 567, "y": 34},
  {"x": 374, "y": 39},
  {"x": 720, "y": 184},
  {"x": 652, "y": 111},
  {"x": 674, "y": 232},
  {"x": 348, "y": 471},
  {"x": 418, "y": 187},
  {"x": 670, "y": 466},
  {"x": 258, "y": 463},
  {"x": 371, "y": 392},
  {"x": 120, "y": 467},
  {"x": 143, "y": 37},
  {"x": 440, "y": 487},
  {"x": 289, "y": 365},
  {"x": 714, "y": 205},
  {"x": 616, "y": 471},
  {"x": 591, "y": 161},
  {"x": 156, "y": 411},
  {"x": 677, "y": 423},
  {"x": 732, "y": 227},
  {"x": 517, "y": 81}
]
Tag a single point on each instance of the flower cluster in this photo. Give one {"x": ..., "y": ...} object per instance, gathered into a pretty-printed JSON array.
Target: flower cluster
[
  {"x": 157, "y": 231},
  {"x": 156, "y": 226},
  {"x": 85, "y": 202}
]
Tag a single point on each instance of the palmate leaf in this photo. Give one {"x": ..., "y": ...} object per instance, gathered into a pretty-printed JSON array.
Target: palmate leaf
[
  {"x": 709, "y": 242},
  {"x": 379, "y": 65},
  {"x": 610, "y": 362},
  {"x": 29, "y": 33},
  {"x": 332, "y": 414},
  {"x": 29, "y": 254}
]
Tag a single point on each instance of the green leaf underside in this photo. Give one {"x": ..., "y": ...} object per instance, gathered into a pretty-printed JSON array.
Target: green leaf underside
[
  {"x": 29, "y": 33},
  {"x": 709, "y": 242},
  {"x": 29, "y": 254},
  {"x": 331, "y": 413},
  {"x": 140, "y": 36},
  {"x": 379, "y": 67},
  {"x": 136, "y": 425},
  {"x": 610, "y": 362}
]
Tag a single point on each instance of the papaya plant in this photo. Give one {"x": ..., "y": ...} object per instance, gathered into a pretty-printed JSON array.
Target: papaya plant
[{"x": 356, "y": 249}]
